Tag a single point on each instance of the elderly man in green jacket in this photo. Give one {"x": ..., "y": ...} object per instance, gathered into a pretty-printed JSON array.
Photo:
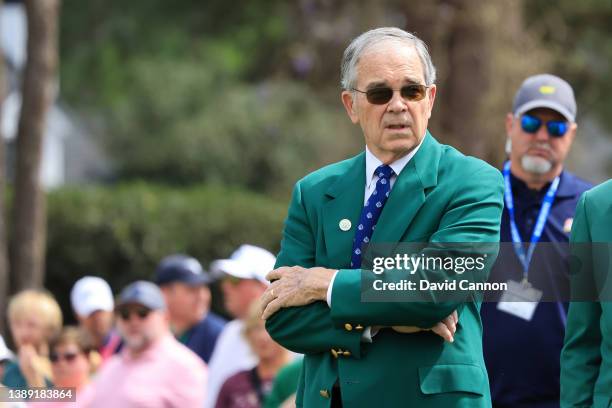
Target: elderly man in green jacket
[
  {"x": 586, "y": 360},
  {"x": 405, "y": 187}
]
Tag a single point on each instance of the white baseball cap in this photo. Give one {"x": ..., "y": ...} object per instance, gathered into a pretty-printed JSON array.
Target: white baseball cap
[
  {"x": 247, "y": 262},
  {"x": 89, "y": 294},
  {"x": 5, "y": 353}
]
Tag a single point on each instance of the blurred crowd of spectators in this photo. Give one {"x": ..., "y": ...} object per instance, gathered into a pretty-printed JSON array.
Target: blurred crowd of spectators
[{"x": 156, "y": 343}]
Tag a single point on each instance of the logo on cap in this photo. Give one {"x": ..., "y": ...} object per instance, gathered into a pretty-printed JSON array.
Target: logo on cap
[{"x": 547, "y": 89}]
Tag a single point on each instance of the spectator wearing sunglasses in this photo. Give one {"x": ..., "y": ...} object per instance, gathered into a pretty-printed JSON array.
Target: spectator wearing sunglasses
[
  {"x": 153, "y": 368},
  {"x": 73, "y": 360},
  {"x": 243, "y": 280},
  {"x": 184, "y": 284},
  {"x": 92, "y": 302},
  {"x": 404, "y": 187},
  {"x": 522, "y": 346}
]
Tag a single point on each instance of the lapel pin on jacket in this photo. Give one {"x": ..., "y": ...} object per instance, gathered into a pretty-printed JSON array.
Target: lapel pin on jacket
[{"x": 345, "y": 224}]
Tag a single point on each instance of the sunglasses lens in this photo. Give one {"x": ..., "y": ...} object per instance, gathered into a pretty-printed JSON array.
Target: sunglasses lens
[
  {"x": 530, "y": 124},
  {"x": 69, "y": 357},
  {"x": 232, "y": 280},
  {"x": 379, "y": 96},
  {"x": 143, "y": 313},
  {"x": 557, "y": 128},
  {"x": 414, "y": 92}
]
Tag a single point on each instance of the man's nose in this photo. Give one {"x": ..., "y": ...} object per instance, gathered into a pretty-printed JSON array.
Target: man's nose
[
  {"x": 133, "y": 318},
  {"x": 397, "y": 103},
  {"x": 542, "y": 133}
]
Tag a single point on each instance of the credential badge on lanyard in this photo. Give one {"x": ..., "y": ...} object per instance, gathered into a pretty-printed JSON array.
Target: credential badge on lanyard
[{"x": 521, "y": 299}]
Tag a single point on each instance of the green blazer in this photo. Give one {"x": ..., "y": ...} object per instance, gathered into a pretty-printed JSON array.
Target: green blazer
[
  {"x": 586, "y": 359},
  {"x": 440, "y": 196}
]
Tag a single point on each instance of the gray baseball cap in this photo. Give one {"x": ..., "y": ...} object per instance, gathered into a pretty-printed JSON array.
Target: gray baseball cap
[
  {"x": 546, "y": 91},
  {"x": 143, "y": 293}
]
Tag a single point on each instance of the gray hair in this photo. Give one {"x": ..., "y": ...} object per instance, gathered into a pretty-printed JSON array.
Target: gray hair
[{"x": 354, "y": 51}]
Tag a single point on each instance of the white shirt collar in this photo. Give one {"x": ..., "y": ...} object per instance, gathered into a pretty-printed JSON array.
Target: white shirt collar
[{"x": 372, "y": 163}]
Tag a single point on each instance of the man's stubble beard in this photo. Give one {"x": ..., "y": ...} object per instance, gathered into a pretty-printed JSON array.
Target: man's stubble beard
[{"x": 138, "y": 343}]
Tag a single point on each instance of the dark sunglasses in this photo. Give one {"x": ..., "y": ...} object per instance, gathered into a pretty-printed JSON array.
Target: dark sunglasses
[
  {"x": 556, "y": 128},
  {"x": 141, "y": 312},
  {"x": 68, "y": 357},
  {"x": 383, "y": 94},
  {"x": 232, "y": 279}
]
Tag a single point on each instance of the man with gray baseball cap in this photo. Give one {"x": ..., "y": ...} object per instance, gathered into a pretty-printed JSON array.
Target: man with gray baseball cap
[
  {"x": 522, "y": 344},
  {"x": 153, "y": 369},
  {"x": 546, "y": 91}
]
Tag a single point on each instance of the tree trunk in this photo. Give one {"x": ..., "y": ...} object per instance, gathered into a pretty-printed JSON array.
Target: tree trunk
[
  {"x": 466, "y": 80},
  {"x": 4, "y": 273},
  {"x": 39, "y": 90},
  {"x": 482, "y": 51}
]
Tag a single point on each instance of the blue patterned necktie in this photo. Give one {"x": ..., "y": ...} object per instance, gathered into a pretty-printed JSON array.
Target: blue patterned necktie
[{"x": 371, "y": 212}]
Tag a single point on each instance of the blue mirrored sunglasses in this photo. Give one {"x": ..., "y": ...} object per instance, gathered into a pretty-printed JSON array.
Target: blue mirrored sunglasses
[{"x": 556, "y": 128}]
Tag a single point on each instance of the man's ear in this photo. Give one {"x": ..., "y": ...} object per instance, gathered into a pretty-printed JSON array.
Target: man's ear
[
  {"x": 571, "y": 133},
  {"x": 432, "y": 99},
  {"x": 349, "y": 105},
  {"x": 509, "y": 123}
]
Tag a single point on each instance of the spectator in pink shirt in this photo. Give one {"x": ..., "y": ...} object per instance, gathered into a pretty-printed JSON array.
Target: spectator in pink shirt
[{"x": 153, "y": 369}]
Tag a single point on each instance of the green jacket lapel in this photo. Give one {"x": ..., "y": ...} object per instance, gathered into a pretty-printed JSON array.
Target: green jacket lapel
[
  {"x": 346, "y": 202},
  {"x": 408, "y": 193}
]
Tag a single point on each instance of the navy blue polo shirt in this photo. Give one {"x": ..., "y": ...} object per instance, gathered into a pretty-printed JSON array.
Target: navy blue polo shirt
[
  {"x": 202, "y": 337},
  {"x": 522, "y": 357}
]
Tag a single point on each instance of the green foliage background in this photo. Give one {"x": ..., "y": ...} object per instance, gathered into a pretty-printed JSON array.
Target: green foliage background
[
  {"x": 579, "y": 34},
  {"x": 121, "y": 232},
  {"x": 210, "y": 111}
]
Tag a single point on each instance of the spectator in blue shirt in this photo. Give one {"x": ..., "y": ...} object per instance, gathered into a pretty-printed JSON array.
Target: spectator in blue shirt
[
  {"x": 522, "y": 344},
  {"x": 184, "y": 285}
]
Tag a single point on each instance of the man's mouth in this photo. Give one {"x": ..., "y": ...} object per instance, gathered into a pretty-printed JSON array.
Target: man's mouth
[
  {"x": 539, "y": 151},
  {"x": 398, "y": 126}
]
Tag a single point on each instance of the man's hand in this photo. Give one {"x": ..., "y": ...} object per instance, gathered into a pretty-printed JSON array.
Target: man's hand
[
  {"x": 294, "y": 286},
  {"x": 445, "y": 329},
  {"x": 29, "y": 364}
]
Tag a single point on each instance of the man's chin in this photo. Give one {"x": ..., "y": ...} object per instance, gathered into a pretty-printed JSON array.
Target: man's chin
[
  {"x": 136, "y": 343},
  {"x": 536, "y": 164},
  {"x": 401, "y": 143},
  {"x": 400, "y": 135}
]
